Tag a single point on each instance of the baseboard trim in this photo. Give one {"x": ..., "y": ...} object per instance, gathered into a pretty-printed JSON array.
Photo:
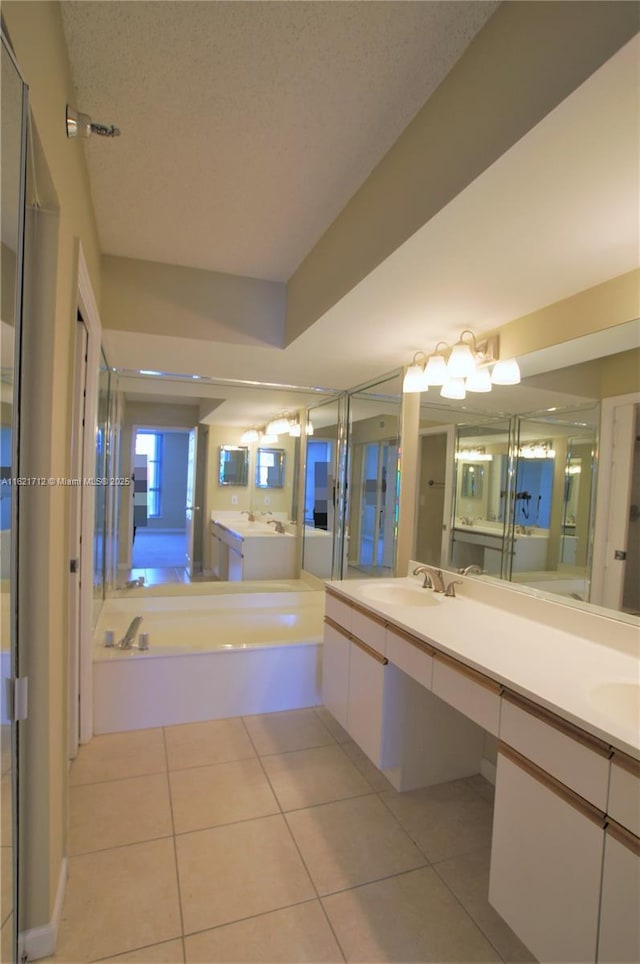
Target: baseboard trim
[
  {"x": 41, "y": 941},
  {"x": 488, "y": 770}
]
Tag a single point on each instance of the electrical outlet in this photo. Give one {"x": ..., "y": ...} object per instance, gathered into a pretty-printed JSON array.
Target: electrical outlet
[
  {"x": 267, "y": 500},
  {"x": 234, "y": 500}
]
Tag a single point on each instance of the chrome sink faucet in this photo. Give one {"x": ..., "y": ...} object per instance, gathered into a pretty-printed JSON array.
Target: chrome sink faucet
[
  {"x": 250, "y": 516},
  {"x": 276, "y": 522},
  {"x": 433, "y": 578}
]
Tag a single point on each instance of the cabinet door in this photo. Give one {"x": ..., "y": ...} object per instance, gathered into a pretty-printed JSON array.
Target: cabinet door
[
  {"x": 619, "y": 938},
  {"x": 546, "y": 861},
  {"x": 335, "y": 673},
  {"x": 366, "y": 690}
]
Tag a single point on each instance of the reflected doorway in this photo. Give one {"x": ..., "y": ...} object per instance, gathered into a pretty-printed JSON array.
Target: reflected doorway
[
  {"x": 378, "y": 523},
  {"x": 160, "y": 476}
]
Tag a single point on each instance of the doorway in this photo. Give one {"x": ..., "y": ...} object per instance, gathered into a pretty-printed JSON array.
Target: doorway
[{"x": 378, "y": 522}]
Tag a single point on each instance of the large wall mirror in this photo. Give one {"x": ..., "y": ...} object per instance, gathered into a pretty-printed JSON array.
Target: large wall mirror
[{"x": 521, "y": 502}]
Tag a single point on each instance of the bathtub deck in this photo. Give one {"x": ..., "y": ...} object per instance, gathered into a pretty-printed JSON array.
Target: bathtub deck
[{"x": 209, "y": 658}]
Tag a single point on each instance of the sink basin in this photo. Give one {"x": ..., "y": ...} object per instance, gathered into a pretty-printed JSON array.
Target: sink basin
[
  {"x": 391, "y": 595},
  {"x": 619, "y": 700}
]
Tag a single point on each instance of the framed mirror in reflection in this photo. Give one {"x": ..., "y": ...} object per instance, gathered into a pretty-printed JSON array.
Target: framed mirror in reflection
[
  {"x": 270, "y": 468},
  {"x": 233, "y": 465}
]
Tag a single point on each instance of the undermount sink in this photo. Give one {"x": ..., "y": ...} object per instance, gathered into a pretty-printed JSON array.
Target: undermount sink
[
  {"x": 620, "y": 700},
  {"x": 404, "y": 595}
]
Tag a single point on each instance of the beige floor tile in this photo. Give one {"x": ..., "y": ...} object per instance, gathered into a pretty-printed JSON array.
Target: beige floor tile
[
  {"x": 410, "y": 918},
  {"x": 468, "y": 878},
  {"x": 352, "y": 842},
  {"x": 202, "y": 744},
  {"x": 339, "y": 734},
  {"x": 168, "y": 953},
  {"x": 114, "y": 756},
  {"x": 228, "y": 873},
  {"x": 295, "y": 935},
  {"x": 445, "y": 820},
  {"x": 117, "y": 900},
  {"x": 226, "y": 793},
  {"x": 372, "y": 775},
  {"x": 104, "y": 815},
  {"x": 309, "y": 777},
  {"x": 291, "y": 730}
]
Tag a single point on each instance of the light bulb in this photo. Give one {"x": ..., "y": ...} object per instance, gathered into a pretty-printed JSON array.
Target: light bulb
[
  {"x": 461, "y": 362},
  {"x": 480, "y": 381},
  {"x": 506, "y": 372},
  {"x": 454, "y": 388},
  {"x": 436, "y": 370},
  {"x": 414, "y": 380}
]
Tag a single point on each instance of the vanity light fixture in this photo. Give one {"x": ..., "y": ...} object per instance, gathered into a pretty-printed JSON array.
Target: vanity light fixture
[
  {"x": 294, "y": 430},
  {"x": 473, "y": 455},
  {"x": 266, "y": 438},
  {"x": 537, "y": 450},
  {"x": 464, "y": 368},
  {"x": 251, "y": 435},
  {"x": 309, "y": 427}
]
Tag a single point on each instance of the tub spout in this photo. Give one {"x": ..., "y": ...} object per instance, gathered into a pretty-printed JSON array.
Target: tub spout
[{"x": 127, "y": 640}]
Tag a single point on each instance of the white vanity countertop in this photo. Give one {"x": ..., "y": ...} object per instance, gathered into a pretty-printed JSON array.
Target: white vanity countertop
[{"x": 591, "y": 679}]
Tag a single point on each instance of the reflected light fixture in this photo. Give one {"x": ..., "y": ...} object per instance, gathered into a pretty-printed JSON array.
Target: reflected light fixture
[{"x": 251, "y": 435}]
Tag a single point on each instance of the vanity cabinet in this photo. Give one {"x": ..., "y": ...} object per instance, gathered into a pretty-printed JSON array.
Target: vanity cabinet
[
  {"x": 546, "y": 861},
  {"x": 619, "y": 938}
]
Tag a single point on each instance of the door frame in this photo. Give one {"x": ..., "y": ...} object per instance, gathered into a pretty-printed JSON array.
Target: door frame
[
  {"x": 88, "y": 308},
  {"x": 449, "y": 468}
]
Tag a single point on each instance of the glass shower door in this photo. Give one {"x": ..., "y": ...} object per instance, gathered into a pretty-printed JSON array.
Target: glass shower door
[{"x": 13, "y": 166}]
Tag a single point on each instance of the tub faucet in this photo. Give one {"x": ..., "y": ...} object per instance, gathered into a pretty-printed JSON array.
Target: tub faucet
[
  {"x": 127, "y": 640},
  {"x": 432, "y": 578},
  {"x": 276, "y": 522},
  {"x": 469, "y": 570}
]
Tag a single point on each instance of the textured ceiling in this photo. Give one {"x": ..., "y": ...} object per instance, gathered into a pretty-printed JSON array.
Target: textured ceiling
[{"x": 247, "y": 126}]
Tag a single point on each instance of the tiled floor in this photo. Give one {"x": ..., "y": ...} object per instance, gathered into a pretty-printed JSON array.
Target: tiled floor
[{"x": 271, "y": 839}]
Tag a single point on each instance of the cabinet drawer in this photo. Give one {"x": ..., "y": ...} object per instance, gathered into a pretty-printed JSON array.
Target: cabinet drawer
[
  {"x": 467, "y": 691},
  {"x": 624, "y": 792},
  {"x": 338, "y": 610},
  {"x": 369, "y": 628},
  {"x": 411, "y": 655},
  {"x": 575, "y": 758}
]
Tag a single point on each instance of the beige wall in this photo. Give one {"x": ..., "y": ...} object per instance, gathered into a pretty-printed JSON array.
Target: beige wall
[
  {"x": 35, "y": 30},
  {"x": 162, "y": 299}
]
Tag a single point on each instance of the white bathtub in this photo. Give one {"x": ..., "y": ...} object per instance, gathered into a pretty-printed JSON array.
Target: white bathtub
[{"x": 210, "y": 656}]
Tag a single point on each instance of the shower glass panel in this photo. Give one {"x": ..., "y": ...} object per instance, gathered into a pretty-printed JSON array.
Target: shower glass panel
[
  {"x": 13, "y": 167},
  {"x": 101, "y": 491},
  {"x": 373, "y": 471}
]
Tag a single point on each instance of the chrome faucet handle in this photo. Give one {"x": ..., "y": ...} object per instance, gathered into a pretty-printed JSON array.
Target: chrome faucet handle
[
  {"x": 451, "y": 588},
  {"x": 469, "y": 570}
]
